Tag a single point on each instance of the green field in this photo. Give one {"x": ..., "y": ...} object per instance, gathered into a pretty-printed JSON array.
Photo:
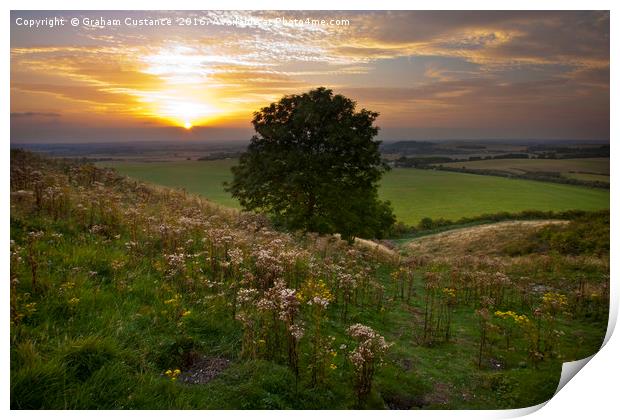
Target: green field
[
  {"x": 587, "y": 169},
  {"x": 201, "y": 177},
  {"x": 418, "y": 193},
  {"x": 414, "y": 193}
]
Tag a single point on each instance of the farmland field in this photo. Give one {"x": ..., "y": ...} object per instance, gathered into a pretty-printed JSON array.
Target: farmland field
[
  {"x": 414, "y": 193},
  {"x": 201, "y": 177},
  {"x": 587, "y": 169}
]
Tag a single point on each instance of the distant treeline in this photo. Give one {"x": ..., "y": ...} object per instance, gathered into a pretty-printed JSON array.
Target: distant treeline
[
  {"x": 557, "y": 152},
  {"x": 222, "y": 155},
  {"x": 536, "y": 151},
  {"x": 428, "y": 225},
  {"x": 418, "y": 148},
  {"x": 471, "y": 146},
  {"x": 428, "y": 162},
  {"x": 503, "y": 156},
  {"x": 532, "y": 176},
  {"x": 422, "y": 162}
]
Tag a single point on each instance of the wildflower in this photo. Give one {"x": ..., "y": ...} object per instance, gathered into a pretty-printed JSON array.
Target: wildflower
[
  {"x": 74, "y": 301},
  {"x": 449, "y": 292},
  {"x": 186, "y": 313},
  {"x": 173, "y": 301},
  {"x": 552, "y": 302},
  {"x": 369, "y": 352},
  {"x": 117, "y": 264},
  {"x": 555, "y": 298},
  {"x": 297, "y": 331},
  {"x": 332, "y": 366},
  {"x": 172, "y": 374},
  {"x": 315, "y": 292}
]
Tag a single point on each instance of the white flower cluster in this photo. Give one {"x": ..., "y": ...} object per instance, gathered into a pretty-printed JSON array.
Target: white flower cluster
[{"x": 370, "y": 348}]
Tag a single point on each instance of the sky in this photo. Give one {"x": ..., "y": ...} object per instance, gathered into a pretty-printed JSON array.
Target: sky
[{"x": 430, "y": 75}]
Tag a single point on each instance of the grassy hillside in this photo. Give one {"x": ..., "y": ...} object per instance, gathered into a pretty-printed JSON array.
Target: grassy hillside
[
  {"x": 130, "y": 296},
  {"x": 587, "y": 234},
  {"x": 199, "y": 177},
  {"x": 486, "y": 239},
  {"x": 414, "y": 193}
]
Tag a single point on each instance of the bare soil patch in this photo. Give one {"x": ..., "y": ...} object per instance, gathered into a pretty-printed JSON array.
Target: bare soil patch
[{"x": 204, "y": 370}]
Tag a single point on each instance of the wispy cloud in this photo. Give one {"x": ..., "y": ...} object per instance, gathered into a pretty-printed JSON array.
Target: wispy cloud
[
  {"x": 35, "y": 114},
  {"x": 416, "y": 68}
]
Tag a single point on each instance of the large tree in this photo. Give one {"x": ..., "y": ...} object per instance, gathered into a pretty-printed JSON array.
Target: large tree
[{"x": 314, "y": 165}]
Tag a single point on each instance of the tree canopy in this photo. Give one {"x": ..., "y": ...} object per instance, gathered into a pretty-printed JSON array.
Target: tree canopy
[{"x": 314, "y": 165}]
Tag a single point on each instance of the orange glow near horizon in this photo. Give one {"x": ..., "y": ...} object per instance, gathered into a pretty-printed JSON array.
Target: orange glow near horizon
[
  {"x": 427, "y": 74},
  {"x": 183, "y": 98}
]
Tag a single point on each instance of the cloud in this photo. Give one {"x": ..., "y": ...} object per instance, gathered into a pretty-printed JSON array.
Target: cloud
[
  {"x": 35, "y": 115},
  {"x": 449, "y": 68}
]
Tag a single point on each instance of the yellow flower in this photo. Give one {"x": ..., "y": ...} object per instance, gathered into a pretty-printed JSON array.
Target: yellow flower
[
  {"x": 520, "y": 319},
  {"x": 332, "y": 366},
  {"x": 186, "y": 313},
  {"x": 172, "y": 374},
  {"x": 74, "y": 301}
]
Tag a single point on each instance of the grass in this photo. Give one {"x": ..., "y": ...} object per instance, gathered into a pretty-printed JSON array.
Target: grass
[
  {"x": 107, "y": 316},
  {"x": 200, "y": 177},
  {"x": 418, "y": 193},
  {"x": 486, "y": 239},
  {"x": 414, "y": 193},
  {"x": 587, "y": 177},
  {"x": 587, "y": 169}
]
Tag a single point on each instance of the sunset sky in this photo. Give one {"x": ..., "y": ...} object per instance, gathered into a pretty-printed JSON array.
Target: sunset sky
[{"x": 430, "y": 75}]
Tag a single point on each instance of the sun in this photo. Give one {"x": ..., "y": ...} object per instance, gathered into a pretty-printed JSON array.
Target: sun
[{"x": 187, "y": 125}]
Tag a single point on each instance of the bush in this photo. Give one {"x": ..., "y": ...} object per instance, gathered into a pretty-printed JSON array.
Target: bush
[
  {"x": 588, "y": 234},
  {"x": 427, "y": 224}
]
